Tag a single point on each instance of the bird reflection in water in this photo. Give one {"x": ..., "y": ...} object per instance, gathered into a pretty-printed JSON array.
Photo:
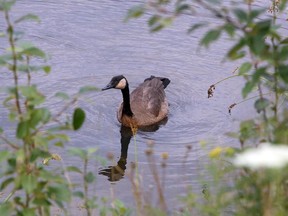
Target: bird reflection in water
[{"x": 115, "y": 173}]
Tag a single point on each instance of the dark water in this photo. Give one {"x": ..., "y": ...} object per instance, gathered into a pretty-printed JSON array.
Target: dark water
[{"x": 89, "y": 43}]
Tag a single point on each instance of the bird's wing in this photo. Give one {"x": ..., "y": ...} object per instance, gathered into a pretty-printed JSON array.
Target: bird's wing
[{"x": 148, "y": 97}]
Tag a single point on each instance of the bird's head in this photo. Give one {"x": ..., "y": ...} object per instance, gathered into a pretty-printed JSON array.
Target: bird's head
[{"x": 117, "y": 82}]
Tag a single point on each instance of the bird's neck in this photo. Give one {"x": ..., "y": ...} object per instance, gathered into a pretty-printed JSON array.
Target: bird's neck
[{"x": 126, "y": 101}]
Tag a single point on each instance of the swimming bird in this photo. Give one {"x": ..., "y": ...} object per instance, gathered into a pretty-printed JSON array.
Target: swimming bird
[{"x": 146, "y": 105}]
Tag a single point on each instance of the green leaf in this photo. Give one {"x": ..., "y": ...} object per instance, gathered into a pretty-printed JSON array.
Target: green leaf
[
  {"x": 245, "y": 67},
  {"x": 257, "y": 44},
  {"x": 236, "y": 51},
  {"x": 91, "y": 151},
  {"x": 89, "y": 177},
  {"x": 6, "y": 5},
  {"x": 12, "y": 116},
  {"x": 62, "y": 95},
  {"x": 22, "y": 129},
  {"x": 160, "y": 24},
  {"x": 180, "y": 8},
  {"x": 59, "y": 193},
  {"x": 249, "y": 86},
  {"x": 40, "y": 140},
  {"x": 153, "y": 20},
  {"x": 59, "y": 144},
  {"x": 195, "y": 27},
  {"x": 282, "y": 55},
  {"x": 1, "y": 130},
  {"x": 38, "y": 153},
  {"x": 261, "y": 28},
  {"x": 73, "y": 169},
  {"x": 4, "y": 59},
  {"x": 283, "y": 5},
  {"x": 210, "y": 36},
  {"x": 46, "y": 69},
  {"x": 39, "y": 115},
  {"x": 33, "y": 96},
  {"x": 4, "y": 155},
  {"x": 156, "y": 28},
  {"x": 28, "y": 68},
  {"x": 81, "y": 153},
  {"x": 78, "y": 118},
  {"x": 78, "y": 194},
  {"x": 241, "y": 15},
  {"x": 6, "y": 208},
  {"x": 247, "y": 130},
  {"x": 283, "y": 72},
  {"x": 29, "y": 212},
  {"x": 230, "y": 29},
  {"x": 28, "y": 17},
  {"x": 256, "y": 13},
  {"x": 87, "y": 89},
  {"x": 63, "y": 137},
  {"x": 135, "y": 12},
  {"x": 6, "y": 182},
  {"x": 30, "y": 49},
  {"x": 284, "y": 41},
  {"x": 34, "y": 51},
  {"x": 29, "y": 182},
  {"x": 261, "y": 104}
]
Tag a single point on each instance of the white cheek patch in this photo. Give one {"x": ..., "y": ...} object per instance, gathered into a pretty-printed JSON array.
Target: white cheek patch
[{"x": 121, "y": 84}]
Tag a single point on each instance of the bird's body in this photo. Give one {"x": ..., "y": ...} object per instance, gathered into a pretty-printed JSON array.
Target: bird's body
[{"x": 146, "y": 105}]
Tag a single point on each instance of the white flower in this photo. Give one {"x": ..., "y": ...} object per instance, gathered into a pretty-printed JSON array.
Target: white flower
[{"x": 266, "y": 155}]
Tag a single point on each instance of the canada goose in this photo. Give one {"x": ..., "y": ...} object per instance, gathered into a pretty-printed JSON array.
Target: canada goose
[{"x": 146, "y": 105}]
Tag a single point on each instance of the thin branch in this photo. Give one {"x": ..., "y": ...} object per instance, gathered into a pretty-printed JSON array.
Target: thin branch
[
  {"x": 247, "y": 99},
  {"x": 220, "y": 15},
  {"x": 275, "y": 68},
  {"x": 213, "y": 86},
  {"x": 64, "y": 109},
  {"x": 55, "y": 118},
  {"x": 8, "y": 142},
  {"x": 10, "y": 31},
  {"x": 28, "y": 71},
  {"x": 152, "y": 166},
  {"x": 9, "y": 196}
]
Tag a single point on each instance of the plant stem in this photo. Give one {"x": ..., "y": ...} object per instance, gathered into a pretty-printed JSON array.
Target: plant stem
[
  {"x": 226, "y": 78},
  {"x": 86, "y": 188},
  {"x": 275, "y": 69},
  {"x": 256, "y": 96},
  {"x": 28, "y": 71},
  {"x": 10, "y": 31},
  {"x": 55, "y": 118},
  {"x": 27, "y": 200},
  {"x": 136, "y": 157},
  {"x": 9, "y": 196},
  {"x": 152, "y": 165},
  {"x": 64, "y": 108},
  {"x": 220, "y": 15},
  {"x": 8, "y": 142}
]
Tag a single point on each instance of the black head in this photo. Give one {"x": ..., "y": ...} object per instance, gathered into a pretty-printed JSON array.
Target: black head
[{"x": 117, "y": 82}]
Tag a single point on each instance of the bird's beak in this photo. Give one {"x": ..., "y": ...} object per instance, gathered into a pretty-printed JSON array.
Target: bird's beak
[{"x": 109, "y": 86}]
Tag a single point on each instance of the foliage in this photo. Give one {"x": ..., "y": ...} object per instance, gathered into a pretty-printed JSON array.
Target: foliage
[
  {"x": 30, "y": 188},
  {"x": 258, "y": 42}
]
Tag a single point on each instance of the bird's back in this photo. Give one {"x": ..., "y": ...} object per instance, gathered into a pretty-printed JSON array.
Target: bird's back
[{"x": 148, "y": 101}]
